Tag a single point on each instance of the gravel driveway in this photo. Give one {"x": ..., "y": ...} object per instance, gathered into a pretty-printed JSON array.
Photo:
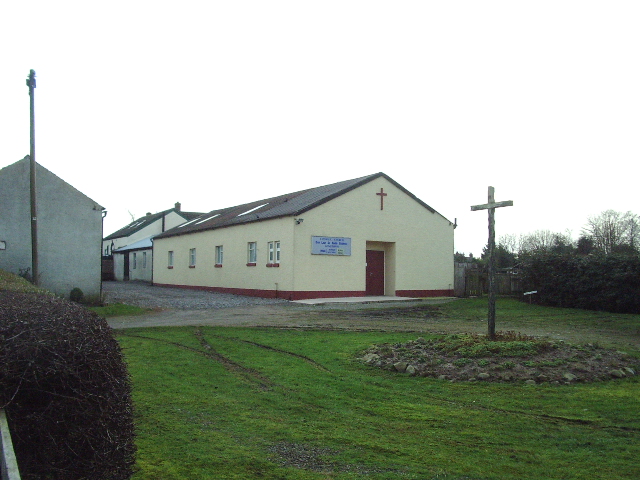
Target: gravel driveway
[
  {"x": 143, "y": 294},
  {"x": 179, "y": 306}
]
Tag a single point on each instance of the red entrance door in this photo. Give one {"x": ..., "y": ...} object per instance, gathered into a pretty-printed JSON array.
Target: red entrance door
[{"x": 375, "y": 273}]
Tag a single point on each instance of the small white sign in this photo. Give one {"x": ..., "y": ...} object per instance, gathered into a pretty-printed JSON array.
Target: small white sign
[
  {"x": 3, "y": 245},
  {"x": 331, "y": 246}
]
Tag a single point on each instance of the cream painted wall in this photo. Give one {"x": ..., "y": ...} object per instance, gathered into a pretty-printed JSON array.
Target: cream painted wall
[
  {"x": 418, "y": 243},
  {"x": 234, "y": 272},
  {"x": 418, "y": 247}
]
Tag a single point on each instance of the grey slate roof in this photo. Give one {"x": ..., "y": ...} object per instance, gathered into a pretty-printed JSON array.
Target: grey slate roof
[
  {"x": 291, "y": 204},
  {"x": 142, "y": 222}
]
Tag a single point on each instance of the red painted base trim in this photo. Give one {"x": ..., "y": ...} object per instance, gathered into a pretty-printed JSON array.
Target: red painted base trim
[
  {"x": 254, "y": 292},
  {"x": 306, "y": 295},
  {"x": 424, "y": 293}
]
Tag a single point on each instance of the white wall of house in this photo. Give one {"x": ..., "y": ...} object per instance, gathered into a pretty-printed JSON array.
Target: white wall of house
[
  {"x": 140, "y": 265},
  {"x": 418, "y": 246},
  {"x": 69, "y": 230},
  {"x": 118, "y": 266}
]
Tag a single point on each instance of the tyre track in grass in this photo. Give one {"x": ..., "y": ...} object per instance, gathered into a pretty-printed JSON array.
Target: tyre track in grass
[
  {"x": 309, "y": 360},
  {"x": 265, "y": 383},
  {"x": 248, "y": 374},
  {"x": 555, "y": 419}
]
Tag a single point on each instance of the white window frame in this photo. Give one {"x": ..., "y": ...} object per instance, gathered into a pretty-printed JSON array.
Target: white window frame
[
  {"x": 252, "y": 252},
  {"x": 135, "y": 260},
  {"x": 144, "y": 260},
  {"x": 274, "y": 252},
  {"x": 219, "y": 254},
  {"x": 192, "y": 258},
  {"x": 170, "y": 259}
]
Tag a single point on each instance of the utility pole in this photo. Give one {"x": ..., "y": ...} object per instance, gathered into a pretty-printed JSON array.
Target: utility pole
[{"x": 31, "y": 83}]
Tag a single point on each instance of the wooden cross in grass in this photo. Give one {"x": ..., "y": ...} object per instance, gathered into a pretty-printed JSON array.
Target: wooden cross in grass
[{"x": 491, "y": 206}]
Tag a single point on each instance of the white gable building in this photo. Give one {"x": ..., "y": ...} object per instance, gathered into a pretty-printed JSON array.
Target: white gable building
[
  {"x": 127, "y": 252},
  {"x": 366, "y": 236}
]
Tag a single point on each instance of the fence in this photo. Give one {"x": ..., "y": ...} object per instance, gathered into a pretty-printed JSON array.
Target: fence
[
  {"x": 471, "y": 281},
  {"x": 107, "y": 268},
  {"x": 8, "y": 463}
]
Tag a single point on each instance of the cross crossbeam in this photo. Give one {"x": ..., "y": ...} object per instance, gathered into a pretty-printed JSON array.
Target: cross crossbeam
[{"x": 487, "y": 206}]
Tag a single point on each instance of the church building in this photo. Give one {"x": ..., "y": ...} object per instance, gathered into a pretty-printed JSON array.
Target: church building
[{"x": 363, "y": 237}]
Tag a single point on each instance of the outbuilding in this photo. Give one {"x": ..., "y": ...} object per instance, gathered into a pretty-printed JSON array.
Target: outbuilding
[
  {"x": 69, "y": 230},
  {"x": 359, "y": 237}
]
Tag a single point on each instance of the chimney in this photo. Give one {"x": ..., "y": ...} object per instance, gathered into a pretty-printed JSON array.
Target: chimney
[{"x": 178, "y": 206}]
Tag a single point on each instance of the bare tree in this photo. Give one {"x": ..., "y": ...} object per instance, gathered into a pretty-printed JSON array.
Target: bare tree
[
  {"x": 612, "y": 231},
  {"x": 509, "y": 242},
  {"x": 633, "y": 234},
  {"x": 545, "y": 241}
]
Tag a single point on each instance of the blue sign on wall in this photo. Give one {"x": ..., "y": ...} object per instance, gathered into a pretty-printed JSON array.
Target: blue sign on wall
[{"x": 330, "y": 246}]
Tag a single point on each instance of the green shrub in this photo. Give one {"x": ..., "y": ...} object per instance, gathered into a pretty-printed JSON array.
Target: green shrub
[
  {"x": 66, "y": 390},
  {"x": 76, "y": 295}
]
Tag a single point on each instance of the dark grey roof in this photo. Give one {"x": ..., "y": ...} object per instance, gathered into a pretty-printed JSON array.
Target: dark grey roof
[
  {"x": 291, "y": 204},
  {"x": 142, "y": 222}
]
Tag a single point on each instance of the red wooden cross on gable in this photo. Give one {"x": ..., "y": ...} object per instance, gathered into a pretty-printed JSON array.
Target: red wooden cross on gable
[{"x": 382, "y": 195}]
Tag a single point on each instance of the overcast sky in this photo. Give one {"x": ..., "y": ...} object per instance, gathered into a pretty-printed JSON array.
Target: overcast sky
[{"x": 141, "y": 104}]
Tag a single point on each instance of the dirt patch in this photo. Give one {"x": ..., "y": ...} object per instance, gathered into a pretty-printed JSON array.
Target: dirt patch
[
  {"x": 510, "y": 358},
  {"x": 317, "y": 459}
]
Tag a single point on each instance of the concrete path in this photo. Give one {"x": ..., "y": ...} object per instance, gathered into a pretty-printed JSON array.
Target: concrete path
[{"x": 319, "y": 301}]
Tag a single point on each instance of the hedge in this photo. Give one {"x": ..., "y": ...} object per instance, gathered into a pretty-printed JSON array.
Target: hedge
[
  {"x": 595, "y": 282},
  {"x": 66, "y": 390}
]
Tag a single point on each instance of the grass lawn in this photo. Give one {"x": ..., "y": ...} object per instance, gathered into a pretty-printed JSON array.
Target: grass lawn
[
  {"x": 119, "y": 309},
  {"x": 261, "y": 403}
]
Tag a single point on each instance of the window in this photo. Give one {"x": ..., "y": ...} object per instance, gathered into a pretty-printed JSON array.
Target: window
[
  {"x": 252, "y": 254},
  {"x": 170, "y": 259},
  {"x": 192, "y": 258},
  {"x": 274, "y": 254},
  {"x": 219, "y": 255},
  {"x": 135, "y": 260},
  {"x": 144, "y": 259}
]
